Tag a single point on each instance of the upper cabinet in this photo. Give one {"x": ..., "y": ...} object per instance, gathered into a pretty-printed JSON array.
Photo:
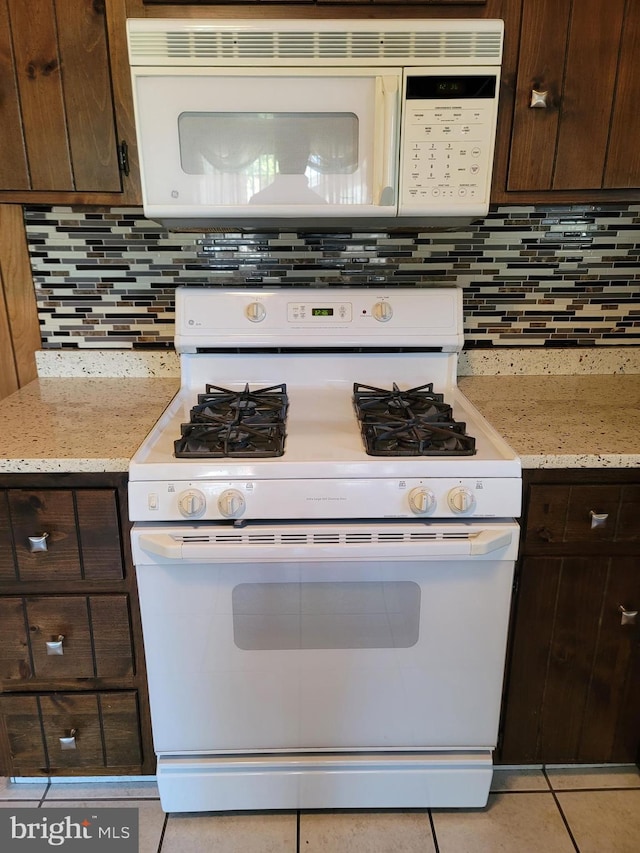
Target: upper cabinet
[
  {"x": 570, "y": 121},
  {"x": 61, "y": 136}
]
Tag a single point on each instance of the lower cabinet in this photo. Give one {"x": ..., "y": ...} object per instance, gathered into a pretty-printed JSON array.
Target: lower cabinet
[
  {"x": 572, "y": 689},
  {"x": 73, "y": 697}
]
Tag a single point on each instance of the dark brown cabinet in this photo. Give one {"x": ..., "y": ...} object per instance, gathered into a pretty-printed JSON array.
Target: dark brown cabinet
[
  {"x": 569, "y": 107},
  {"x": 573, "y": 680},
  {"x": 73, "y": 694},
  {"x": 62, "y": 136}
]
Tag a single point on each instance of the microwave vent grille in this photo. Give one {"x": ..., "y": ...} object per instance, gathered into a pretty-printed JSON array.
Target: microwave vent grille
[{"x": 210, "y": 47}]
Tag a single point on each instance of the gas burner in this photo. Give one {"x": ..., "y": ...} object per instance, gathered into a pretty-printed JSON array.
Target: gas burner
[
  {"x": 235, "y": 423},
  {"x": 416, "y": 422}
]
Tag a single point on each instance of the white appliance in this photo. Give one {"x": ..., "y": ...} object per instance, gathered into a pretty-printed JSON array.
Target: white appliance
[
  {"x": 324, "y": 620},
  {"x": 291, "y": 122}
]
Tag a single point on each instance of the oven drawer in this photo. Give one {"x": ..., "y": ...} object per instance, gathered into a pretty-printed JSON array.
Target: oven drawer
[
  {"x": 56, "y": 637},
  {"x": 60, "y": 535},
  {"x": 582, "y": 519},
  {"x": 69, "y": 734}
]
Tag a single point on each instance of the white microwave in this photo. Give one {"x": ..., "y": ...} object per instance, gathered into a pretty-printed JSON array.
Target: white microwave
[{"x": 290, "y": 123}]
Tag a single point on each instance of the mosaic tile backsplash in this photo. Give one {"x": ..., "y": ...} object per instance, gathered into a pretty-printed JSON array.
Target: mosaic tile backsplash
[{"x": 532, "y": 276}]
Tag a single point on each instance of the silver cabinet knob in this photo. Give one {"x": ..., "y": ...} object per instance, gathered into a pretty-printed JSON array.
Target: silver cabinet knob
[
  {"x": 69, "y": 742},
  {"x": 38, "y": 543},
  {"x": 54, "y": 647},
  {"x": 598, "y": 519},
  {"x": 629, "y": 617},
  {"x": 539, "y": 100}
]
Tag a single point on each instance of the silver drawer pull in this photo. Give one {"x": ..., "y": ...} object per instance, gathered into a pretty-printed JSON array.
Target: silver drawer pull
[
  {"x": 54, "y": 647},
  {"x": 539, "y": 100},
  {"x": 598, "y": 519},
  {"x": 38, "y": 543},
  {"x": 629, "y": 617},
  {"x": 70, "y": 741}
]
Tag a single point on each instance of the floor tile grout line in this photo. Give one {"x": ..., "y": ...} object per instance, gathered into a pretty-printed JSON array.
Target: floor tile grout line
[
  {"x": 298, "y": 831},
  {"x": 44, "y": 795},
  {"x": 562, "y": 815},
  {"x": 162, "y": 833},
  {"x": 436, "y": 846}
]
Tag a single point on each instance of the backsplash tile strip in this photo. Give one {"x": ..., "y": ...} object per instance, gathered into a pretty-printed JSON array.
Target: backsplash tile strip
[{"x": 532, "y": 276}]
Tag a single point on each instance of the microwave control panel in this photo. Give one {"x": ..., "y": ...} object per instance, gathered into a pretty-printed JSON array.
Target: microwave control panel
[{"x": 447, "y": 140}]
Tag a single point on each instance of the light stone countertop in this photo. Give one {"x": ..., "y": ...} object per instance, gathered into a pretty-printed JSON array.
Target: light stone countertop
[
  {"x": 83, "y": 422},
  {"x": 79, "y": 424},
  {"x": 563, "y": 421}
]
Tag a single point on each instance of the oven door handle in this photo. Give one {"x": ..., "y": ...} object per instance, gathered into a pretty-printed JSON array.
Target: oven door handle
[{"x": 175, "y": 548}]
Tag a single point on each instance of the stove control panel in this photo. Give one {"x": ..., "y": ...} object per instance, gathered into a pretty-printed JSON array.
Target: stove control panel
[
  {"x": 318, "y": 318},
  {"x": 438, "y": 498}
]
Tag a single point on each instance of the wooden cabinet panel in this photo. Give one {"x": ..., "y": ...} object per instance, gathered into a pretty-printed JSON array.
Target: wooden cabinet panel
[
  {"x": 13, "y": 163},
  {"x": 89, "y": 105},
  {"x": 594, "y": 37},
  {"x": 21, "y": 720},
  {"x": 39, "y": 76},
  {"x": 52, "y": 512},
  {"x": 582, "y": 519},
  {"x": 77, "y": 593},
  {"x": 15, "y": 663},
  {"x": 100, "y": 535},
  {"x": 57, "y": 98},
  {"x": 572, "y": 691},
  {"x": 612, "y": 681},
  {"x": 584, "y": 57},
  {"x": 623, "y": 161},
  {"x": 91, "y": 637},
  {"x": 83, "y": 535},
  {"x": 63, "y": 621},
  {"x": 105, "y": 726}
]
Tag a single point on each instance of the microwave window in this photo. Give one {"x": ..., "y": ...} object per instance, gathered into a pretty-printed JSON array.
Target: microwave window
[{"x": 274, "y": 158}]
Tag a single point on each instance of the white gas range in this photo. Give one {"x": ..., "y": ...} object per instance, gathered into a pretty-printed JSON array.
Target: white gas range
[{"x": 324, "y": 542}]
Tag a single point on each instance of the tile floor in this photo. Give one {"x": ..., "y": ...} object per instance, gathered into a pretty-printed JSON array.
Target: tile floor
[{"x": 551, "y": 810}]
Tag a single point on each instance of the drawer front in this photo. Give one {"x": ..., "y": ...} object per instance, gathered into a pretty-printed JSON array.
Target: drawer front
[
  {"x": 66, "y": 733},
  {"x": 60, "y": 535},
  {"x": 61, "y": 637},
  {"x": 583, "y": 519}
]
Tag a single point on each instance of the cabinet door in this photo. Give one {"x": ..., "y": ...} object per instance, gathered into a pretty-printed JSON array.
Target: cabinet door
[
  {"x": 584, "y": 56},
  {"x": 572, "y": 691},
  {"x": 56, "y": 108}
]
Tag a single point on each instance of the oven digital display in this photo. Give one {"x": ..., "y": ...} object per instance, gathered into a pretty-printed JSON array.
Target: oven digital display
[{"x": 322, "y": 312}]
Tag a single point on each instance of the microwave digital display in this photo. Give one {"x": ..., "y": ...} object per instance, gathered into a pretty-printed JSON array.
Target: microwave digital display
[{"x": 446, "y": 87}]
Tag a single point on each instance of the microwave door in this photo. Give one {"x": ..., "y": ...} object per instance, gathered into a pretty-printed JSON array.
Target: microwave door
[{"x": 292, "y": 143}]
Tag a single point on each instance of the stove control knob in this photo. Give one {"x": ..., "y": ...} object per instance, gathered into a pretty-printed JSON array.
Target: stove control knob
[
  {"x": 191, "y": 503},
  {"x": 382, "y": 311},
  {"x": 231, "y": 503},
  {"x": 421, "y": 501},
  {"x": 255, "y": 311},
  {"x": 461, "y": 500}
]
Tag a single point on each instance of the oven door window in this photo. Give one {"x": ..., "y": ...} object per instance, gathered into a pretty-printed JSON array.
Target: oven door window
[{"x": 376, "y": 615}]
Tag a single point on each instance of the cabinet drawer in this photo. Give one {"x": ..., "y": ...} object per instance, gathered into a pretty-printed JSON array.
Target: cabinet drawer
[
  {"x": 583, "y": 519},
  {"x": 61, "y": 637},
  {"x": 60, "y": 535},
  {"x": 69, "y": 733}
]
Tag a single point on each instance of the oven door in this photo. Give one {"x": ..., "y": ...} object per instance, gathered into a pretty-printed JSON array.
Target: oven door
[
  {"x": 324, "y": 646},
  {"x": 287, "y": 142}
]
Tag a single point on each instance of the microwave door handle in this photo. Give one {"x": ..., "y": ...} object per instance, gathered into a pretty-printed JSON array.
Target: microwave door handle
[{"x": 387, "y": 108}]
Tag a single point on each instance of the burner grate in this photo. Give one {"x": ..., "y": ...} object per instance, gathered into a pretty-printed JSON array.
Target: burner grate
[
  {"x": 415, "y": 422},
  {"x": 247, "y": 423}
]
